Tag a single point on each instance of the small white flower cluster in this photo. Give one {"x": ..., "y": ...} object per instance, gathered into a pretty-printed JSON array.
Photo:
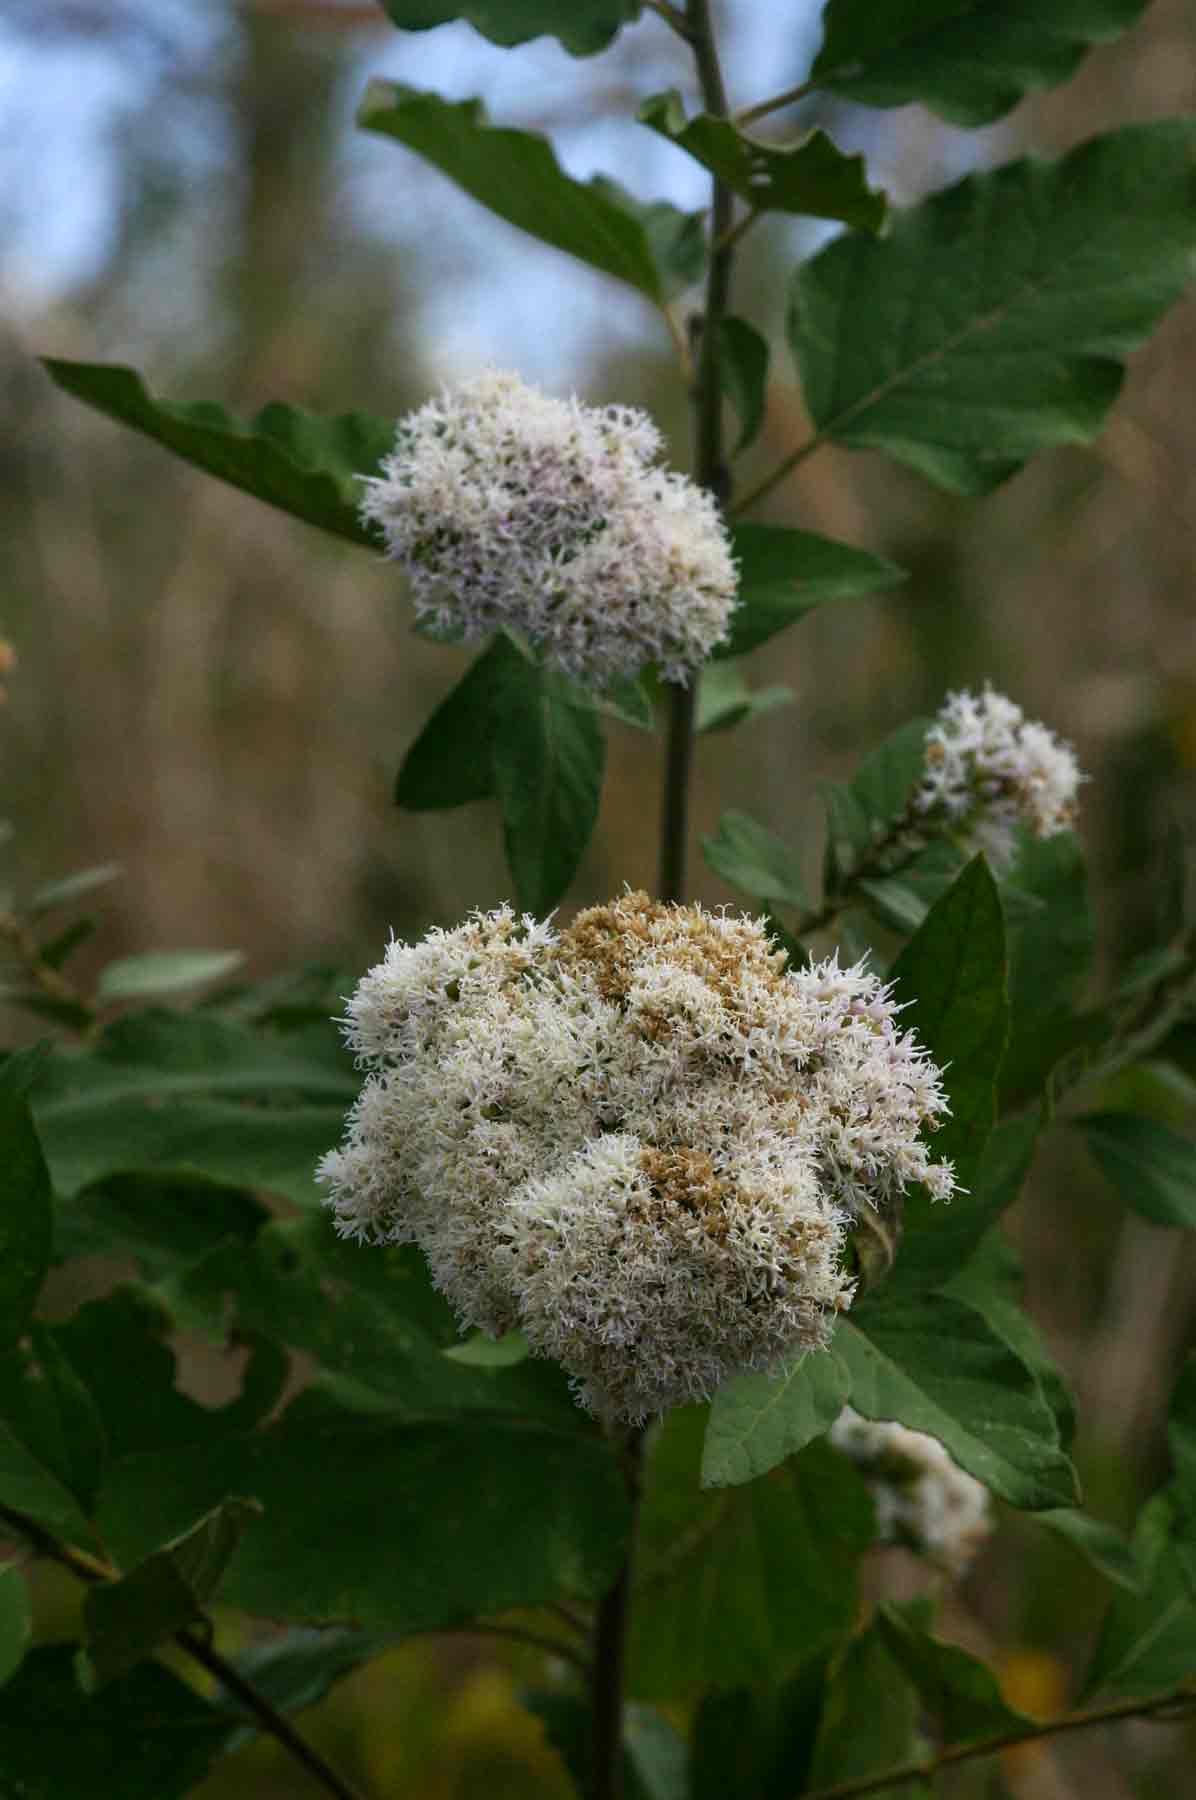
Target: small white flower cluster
[
  {"x": 507, "y": 507},
  {"x": 989, "y": 769},
  {"x": 640, "y": 1140},
  {"x": 923, "y": 1500}
]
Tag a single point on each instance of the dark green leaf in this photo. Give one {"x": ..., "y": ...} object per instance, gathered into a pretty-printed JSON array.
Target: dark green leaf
[
  {"x": 148, "y": 1737},
  {"x": 741, "y": 1585},
  {"x": 127, "y": 1620},
  {"x": 751, "y": 858},
  {"x": 1151, "y": 1166},
  {"x": 26, "y": 1224},
  {"x": 937, "y": 1366},
  {"x": 304, "y": 464},
  {"x": 991, "y": 1282},
  {"x": 16, "y": 1627},
  {"x": 969, "y": 63},
  {"x": 516, "y": 175},
  {"x": 449, "y": 762},
  {"x": 939, "y": 1238},
  {"x": 785, "y": 574},
  {"x": 583, "y": 26},
  {"x": 158, "y": 972},
  {"x": 743, "y": 367},
  {"x": 869, "y": 1720},
  {"x": 959, "y": 1692},
  {"x": 812, "y": 177},
  {"x": 994, "y": 319},
  {"x": 756, "y": 1421},
  {"x": 52, "y": 1447},
  {"x": 164, "y": 1221},
  {"x": 758, "y": 1743},
  {"x": 1050, "y": 957}
]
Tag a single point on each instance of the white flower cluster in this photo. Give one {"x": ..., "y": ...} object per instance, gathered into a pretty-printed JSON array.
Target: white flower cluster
[
  {"x": 507, "y": 507},
  {"x": 923, "y": 1500},
  {"x": 640, "y": 1139},
  {"x": 989, "y": 769}
]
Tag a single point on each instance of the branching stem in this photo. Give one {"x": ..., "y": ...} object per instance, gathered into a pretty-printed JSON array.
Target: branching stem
[{"x": 747, "y": 114}]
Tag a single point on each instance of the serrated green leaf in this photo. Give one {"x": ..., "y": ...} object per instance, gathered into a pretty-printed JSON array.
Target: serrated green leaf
[
  {"x": 72, "y": 888},
  {"x": 516, "y": 175},
  {"x": 147, "y": 1737},
  {"x": 725, "y": 699},
  {"x": 968, "y": 63},
  {"x": 994, "y": 319},
  {"x": 785, "y": 574},
  {"x": 743, "y": 357},
  {"x": 755, "y": 860},
  {"x": 306, "y": 465},
  {"x": 741, "y": 1585},
  {"x": 158, "y": 972},
  {"x": 937, "y": 1366},
  {"x": 583, "y": 26},
  {"x": 26, "y": 1223},
  {"x": 812, "y": 177},
  {"x": 16, "y": 1625},
  {"x": 756, "y": 1421},
  {"x": 959, "y": 1692},
  {"x": 1152, "y": 1167}
]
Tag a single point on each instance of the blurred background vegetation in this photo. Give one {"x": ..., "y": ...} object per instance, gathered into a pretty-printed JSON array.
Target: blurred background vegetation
[{"x": 218, "y": 698}]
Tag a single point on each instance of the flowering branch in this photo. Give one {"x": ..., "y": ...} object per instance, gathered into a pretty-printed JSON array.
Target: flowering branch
[{"x": 1176, "y": 1705}]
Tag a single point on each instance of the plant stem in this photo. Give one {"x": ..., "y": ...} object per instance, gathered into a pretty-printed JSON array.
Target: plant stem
[
  {"x": 674, "y": 828},
  {"x": 610, "y": 1646},
  {"x": 1182, "y": 1698},
  {"x": 762, "y": 108},
  {"x": 779, "y": 474},
  {"x": 194, "y": 1642}
]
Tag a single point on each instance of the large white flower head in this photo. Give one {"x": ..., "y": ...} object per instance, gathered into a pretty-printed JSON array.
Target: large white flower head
[
  {"x": 641, "y": 1139},
  {"x": 923, "y": 1500},
  {"x": 989, "y": 769},
  {"x": 508, "y": 507}
]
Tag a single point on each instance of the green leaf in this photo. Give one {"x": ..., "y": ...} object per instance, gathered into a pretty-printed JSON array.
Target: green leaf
[
  {"x": 297, "y": 1668},
  {"x": 753, "y": 859},
  {"x": 394, "y": 1524},
  {"x": 1098, "y": 1543},
  {"x": 725, "y": 699},
  {"x": 148, "y": 1737},
  {"x": 867, "y": 808},
  {"x": 164, "y": 1221},
  {"x": 717, "y": 1571},
  {"x": 785, "y": 574},
  {"x": 128, "y": 1619},
  {"x": 1050, "y": 958},
  {"x": 959, "y": 1692},
  {"x": 756, "y": 1421},
  {"x": 1148, "y": 1639},
  {"x": 759, "y": 1743},
  {"x": 583, "y": 26},
  {"x": 481, "y": 1352},
  {"x": 969, "y": 63},
  {"x": 26, "y": 1223},
  {"x": 812, "y": 177},
  {"x": 1152, "y": 1168},
  {"x": 869, "y": 1720},
  {"x": 743, "y": 368},
  {"x": 937, "y": 1366},
  {"x": 159, "y": 972},
  {"x": 547, "y": 755},
  {"x": 72, "y": 888},
  {"x": 938, "y": 1240},
  {"x": 306, "y": 465},
  {"x": 16, "y": 1625},
  {"x": 993, "y": 321},
  {"x": 52, "y": 1444},
  {"x": 991, "y": 1283},
  {"x": 516, "y": 175},
  {"x": 951, "y": 979},
  {"x": 449, "y": 763}
]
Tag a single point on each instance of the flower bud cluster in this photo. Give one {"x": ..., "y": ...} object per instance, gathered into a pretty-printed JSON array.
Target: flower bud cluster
[
  {"x": 923, "y": 1500},
  {"x": 640, "y": 1139},
  {"x": 508, "y": 507},
  {"x": 989, "y": 769}
]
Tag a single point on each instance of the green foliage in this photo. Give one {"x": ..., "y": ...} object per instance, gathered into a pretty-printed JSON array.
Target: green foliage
[
  {"x": 128, "y": 1619},
  {"x": 16, "y": 1628},
  {"x": 756, "y": 1421},
  {"x": 516, "y": 175},
  {"x": 969, "y": 64},
  {"x": 1050, "y": 957},
  {"x": 1100, "y": 1544},
  {"x": 583, "y": 26},
  {"x": 753, "y": 859},
  {"x": 515, "y": 729},
  {"x": 758, "y": 1742},
  {"x": 25, "y": 1222},
  {"x": 869, "y": 1719},
  {"x": 654, "y": 1752},
  {"x": 52, "y": 1443},
  {"x": 861, "y": 814},
  {"x": 812, "y": 177},
  {"x": 993, "y": 320},
  {"x": 1152, "y": 1167},
  {"x": 959, "y": 1693},
  {"x": 1148, "y": 1639},
  {"x": 717, "y": 1572},
  {"x": 304, "y": 464},
  {"x": 784, "y": 574},
  {"x": 743, "y": 367},
  {"x": 158, "y": 972}
]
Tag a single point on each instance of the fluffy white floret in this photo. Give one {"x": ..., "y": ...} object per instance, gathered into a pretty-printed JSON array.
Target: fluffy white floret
[
  {"x": 989, "y": 769},
  {"x": 641, "y": 1140},
  {"x": 923, "y": 1500},
  {"x": 508, "y": 507}
]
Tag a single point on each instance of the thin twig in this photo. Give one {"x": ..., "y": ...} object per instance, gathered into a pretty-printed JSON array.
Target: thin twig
[
  {"x": 194, "y": 1643},
  {"x": 1180, "y": 1700},
  {"x": 779, "y": 474},
  {"x": 762, "y": 108}
]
